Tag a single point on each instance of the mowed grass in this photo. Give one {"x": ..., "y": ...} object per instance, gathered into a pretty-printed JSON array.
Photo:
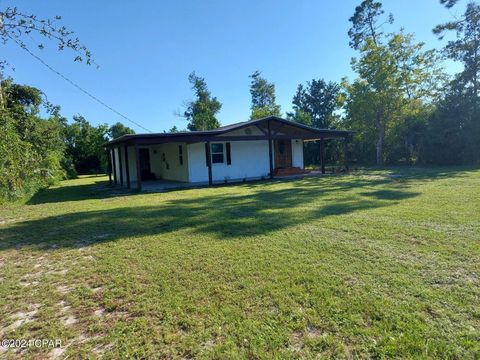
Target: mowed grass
[{"x": 366, "y": 265}]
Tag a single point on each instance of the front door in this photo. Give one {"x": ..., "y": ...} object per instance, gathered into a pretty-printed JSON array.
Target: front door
[
  {"x": 283, "y": 154},
  {"x": 145, "y": 164}
]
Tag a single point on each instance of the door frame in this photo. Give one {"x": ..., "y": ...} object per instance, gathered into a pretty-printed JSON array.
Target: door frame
[
  {"x": 145, "y": 159},
  {"x": 283, "y": 157}
]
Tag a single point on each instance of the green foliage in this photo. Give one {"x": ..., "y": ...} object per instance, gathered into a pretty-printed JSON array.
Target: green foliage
[
  {"x": 300, "y": 116},
  {"x": 397, "y": 81},
  {"x": 84, "y": 145},
  {"x": 36, "y": 152},
  {"x": 118, "y": 129},
  {"x": 31, "y": 148},
  {"x": 365, "y": 24},
  {"x": 201, "y": 113},
  {"x": 16, "y": 25},
  {"x": 465, "y": 47},
  {"x": 315, "y": 103},
  {"x": 454, "y": 129},
  {"x": 263, "y": 97}
]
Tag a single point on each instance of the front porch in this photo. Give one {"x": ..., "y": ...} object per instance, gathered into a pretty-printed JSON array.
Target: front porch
[{"x": 154, "y": 186}]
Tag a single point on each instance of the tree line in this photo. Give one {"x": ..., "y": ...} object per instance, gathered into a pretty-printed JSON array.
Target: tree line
[
  {"x": 402, "y": 106},
  {"x": 38, "y": 151}
]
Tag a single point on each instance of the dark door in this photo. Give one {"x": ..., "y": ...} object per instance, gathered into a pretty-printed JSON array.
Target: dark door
[
  {"x": 283, "y": 154},
  {"x": 145, "y": 164}
]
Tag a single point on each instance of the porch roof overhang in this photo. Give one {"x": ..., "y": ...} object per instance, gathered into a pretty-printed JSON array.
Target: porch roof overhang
[{"x": 279, "y": 129}]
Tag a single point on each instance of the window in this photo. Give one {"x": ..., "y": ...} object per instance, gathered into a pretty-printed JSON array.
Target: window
[
  {"x": 217, "y": 153},
  {"x": 180, "y": 154}
]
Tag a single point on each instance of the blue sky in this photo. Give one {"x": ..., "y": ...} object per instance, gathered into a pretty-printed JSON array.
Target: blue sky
[{"x": 146, "y": 49}]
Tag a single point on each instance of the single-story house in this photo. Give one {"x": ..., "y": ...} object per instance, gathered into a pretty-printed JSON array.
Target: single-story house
[{"x": 247, "y": 150}]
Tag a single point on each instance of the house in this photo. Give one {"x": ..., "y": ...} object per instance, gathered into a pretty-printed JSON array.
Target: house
[{"x": 252, "y": 149}]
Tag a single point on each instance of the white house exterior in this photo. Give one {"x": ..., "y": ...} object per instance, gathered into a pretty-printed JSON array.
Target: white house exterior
[{"x": 244, "y": 151}]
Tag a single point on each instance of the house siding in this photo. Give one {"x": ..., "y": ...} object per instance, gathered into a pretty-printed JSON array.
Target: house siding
[
  {"x": 297, "y": 153},
  {"x": 249, "y": 159},
  {"x": 170, "y": 168},
  {"x": 132, "y": 169}
]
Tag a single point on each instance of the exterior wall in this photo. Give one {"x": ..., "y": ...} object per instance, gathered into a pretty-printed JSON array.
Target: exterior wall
[
  {"x": 197, "y": 165},
  {"x": 170, "y": 168},
  {"x": 249, "y": 130},
  {"x": 249, "y": 160},
  {"x": 132, "y": 165},
  {"x": 297, "y": 153},
  {"x": 174, "y": 171},
  {"x": 124, "y": 165},
  {"x": 117, "y": 165}
]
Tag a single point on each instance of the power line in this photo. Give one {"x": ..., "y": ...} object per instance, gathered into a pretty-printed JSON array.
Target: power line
[{"x": 79, "y": 87}]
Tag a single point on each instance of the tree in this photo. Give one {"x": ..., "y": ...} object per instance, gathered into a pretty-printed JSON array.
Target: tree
[
  {"x": 465, "y": 48},
  {"x": 118, "y": 129},
  {"x": 366, "y": 24},
  {"x": 31, "y": 148},
  {"x": 15, "y": 25},
  {"x": 395, "y": 75},
  {"x": 315, "y": 103},
  {"x": 445, "y": 143},
  {"x": 448, "y": 3},
  {"x": 457, "y": 119},
  {"x": 200, "y": 113},
  {"x": 263, "y": 97},
  {"x": 84, "y": 145}
]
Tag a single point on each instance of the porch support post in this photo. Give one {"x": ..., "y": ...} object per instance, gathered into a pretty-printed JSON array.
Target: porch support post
[
  {"x": 209, "y": 163},
  {"x": 322, "y": 154},
  {"x": 345, "y": 152},
  {"x": 114, "y": 167},
  {"x": 127, "y": 171},
  {"x": 137, "y": 165},
  {"x": 120, "y": 165},
  {"x": 109, "y": 167},
  {"x": 270, "y": 157}
]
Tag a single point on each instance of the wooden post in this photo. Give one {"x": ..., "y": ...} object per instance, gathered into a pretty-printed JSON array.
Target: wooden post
[
  {"x": 270, "y": 157},
  {"x": 345, "y": 152},
  {"x": 137, "y": 165},
  {"x": 322, "y": 154},
  {"x": 120, "y": 165},
  {"x": 209, "y": 163},
  {"x": 109, "y": 167},
  {"x": 127, "y": 170},
  {"x": 114, "y": 167}
]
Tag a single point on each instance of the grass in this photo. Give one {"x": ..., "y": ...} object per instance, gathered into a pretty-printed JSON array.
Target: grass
[{"x": 366, "y": 265}]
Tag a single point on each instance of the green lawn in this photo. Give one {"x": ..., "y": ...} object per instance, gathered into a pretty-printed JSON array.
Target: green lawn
[{"x": 365, "y": 265}]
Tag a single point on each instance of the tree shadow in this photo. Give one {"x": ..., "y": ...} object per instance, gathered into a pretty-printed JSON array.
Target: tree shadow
[
  {"x": 260, "y": 211},
  {"x": 100, "y": 189},
  {"x": 390, "y": 194}
]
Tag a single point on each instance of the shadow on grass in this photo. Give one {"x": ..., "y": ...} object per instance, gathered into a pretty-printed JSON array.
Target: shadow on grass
[
  {"x": 99, "y": 190},
  {"x": 262, "y": 210}
]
